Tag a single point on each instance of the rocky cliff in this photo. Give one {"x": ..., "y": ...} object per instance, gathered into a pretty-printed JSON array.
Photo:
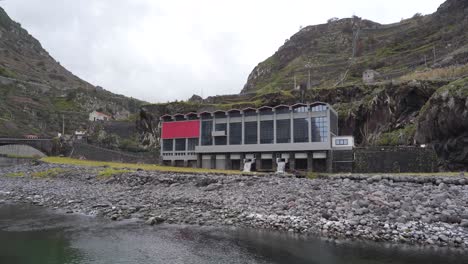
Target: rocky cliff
[
  {"x": 417, "y": 60},
  {"x": 443, "y": 121},
  {"x": 36, "y": 92},
  {"x": 339, "y": 51}
]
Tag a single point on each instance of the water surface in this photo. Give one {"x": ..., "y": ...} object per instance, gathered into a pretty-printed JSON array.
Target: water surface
[{"x": 36, "y": 235}]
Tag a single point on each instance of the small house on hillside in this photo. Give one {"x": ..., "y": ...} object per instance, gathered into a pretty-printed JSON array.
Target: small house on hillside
[
  {"x": 95, "y": 116},
  {"x": 370, "y": 76}
]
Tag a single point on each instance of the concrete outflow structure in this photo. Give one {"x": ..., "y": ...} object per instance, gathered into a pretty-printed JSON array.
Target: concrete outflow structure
[{"x": 285, "y": 137}]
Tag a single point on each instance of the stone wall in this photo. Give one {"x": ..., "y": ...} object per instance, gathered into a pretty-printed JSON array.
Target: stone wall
[
  {"x": 6, "y": 161},
  {"x": 90, "y": 152},
  {"x": 394, "y": 159},
  {"x": 21, "y": 150}
]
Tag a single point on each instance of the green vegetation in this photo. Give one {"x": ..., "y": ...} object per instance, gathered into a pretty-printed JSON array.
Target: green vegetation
[
  {"x": 129, "y": 166},
  {"x": 63, "y": 104},
  {"x": 457, "y": 88},
  {"x": 48, "y": 173},
  {"x": 439, "y": 73},
  {"x": 7, "y": 73},
  {"x": 109, "y": 172},
  {"x": 15, "y": 174},
  {"x": 397, "y": 137}
]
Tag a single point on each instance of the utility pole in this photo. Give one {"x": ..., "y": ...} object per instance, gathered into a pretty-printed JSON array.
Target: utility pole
[
  {"x": 63, "y": 124},
  {"x": 434, "y": 52},
  {"x": 295, "y": 85},
  {"x": 308, "y": 66}
]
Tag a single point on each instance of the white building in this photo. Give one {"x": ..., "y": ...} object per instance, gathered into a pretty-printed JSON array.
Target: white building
[{"x": 95, "y": 116}]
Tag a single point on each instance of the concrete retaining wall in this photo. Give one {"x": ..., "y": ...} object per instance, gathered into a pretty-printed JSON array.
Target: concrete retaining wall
[
  {"x": 90, "y": 152},
  {"x": 21, "y": 150},
  {"x": 6, "y": 162},
  {"x": 394, "y": 159}
]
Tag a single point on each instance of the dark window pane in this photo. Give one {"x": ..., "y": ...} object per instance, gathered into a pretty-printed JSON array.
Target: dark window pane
[
  {"x": 220, "y": 115},
  {"x": 235, "y": 133},
  {"x": 207, "y": 128},
  {"x": 283, "y": 131},
  {"x": 235, "y": 114},
  {"x": 250, "y": 132},
  {"x": 266, "y": 132},
  {"x": 266, "y": 111},
  {"x": 301, "y": 130},
  {"x": 192, "y": 143},
  {"x": 167, "y": 145},
  {"x": 282, "y": 110},
  {"x": 250, "y": 113},
  {"x": 221, "y": 140},
  {"x": 180, "y": 144}
]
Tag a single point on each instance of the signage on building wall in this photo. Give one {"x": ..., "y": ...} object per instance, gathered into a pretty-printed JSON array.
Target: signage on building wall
[{"x": 180, "y": 129}]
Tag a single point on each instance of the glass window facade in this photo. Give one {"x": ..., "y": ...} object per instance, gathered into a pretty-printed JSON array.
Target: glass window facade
[
  {"x": 180, "y": 144},
  {"x": 235, "y": 133},
  {"x": 221, "y": 140},
  {"x": 206, "y": 129},
  {"x": 301, "y": 130},
  {"x": 283, "y": 131},
  {"x": 167, "y": 145},
  {"x": 301, "y": 109},
  {"x": 266, "y": 132},
  {"x": 341, "y": 142},
  {"x": 319, "y": 129},
  {"x": 192, "y": 143},
  {"x": 250, "y": 132},
  {"x": 318, "y": 108}
]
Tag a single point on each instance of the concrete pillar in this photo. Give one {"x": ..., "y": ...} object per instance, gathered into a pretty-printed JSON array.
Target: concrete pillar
[
  {"x": 173, "y": 163},
  {"x": 228, "y": 121},
  {"x": 186, "y": 163},
  {"x": 213, "y": 161},
  {"x": 243, "y": 125},
  {"x": 292, "y": 161},
  {"x": 291, "y": 121},
  {"x": 228, "y": 162},
  {"x": 330, "y": 161},
  {"x": 310, "y": 161},
  {"x": 258, "y": 161},
  {"x": 199, "y": 160},
  {"x": 309, "y": 121},
  {"x": 274, "y": 126},
  {"x": 213, "y": 128},
  {"x": 275, "y": 166},
  {"x": 242, "y": 157},
  {"x": 258, "y": 127}
]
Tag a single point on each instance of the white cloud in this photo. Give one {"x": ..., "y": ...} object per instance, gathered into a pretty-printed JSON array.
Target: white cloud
[{"x": 164, "y": 50}]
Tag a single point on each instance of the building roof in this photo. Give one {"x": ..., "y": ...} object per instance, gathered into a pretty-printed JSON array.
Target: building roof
[
  {"x": 251, "y": 109},
  {"x": 101, "y": 114}
]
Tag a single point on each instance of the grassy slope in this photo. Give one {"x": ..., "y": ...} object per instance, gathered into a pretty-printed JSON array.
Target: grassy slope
[{"x": 132, "y": 166}]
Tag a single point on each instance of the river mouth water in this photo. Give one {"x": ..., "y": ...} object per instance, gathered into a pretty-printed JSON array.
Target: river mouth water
[{"x": 36, "y": 235}]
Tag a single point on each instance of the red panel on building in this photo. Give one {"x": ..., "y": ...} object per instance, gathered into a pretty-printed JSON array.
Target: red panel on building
[{"x": 181, "y": 129}]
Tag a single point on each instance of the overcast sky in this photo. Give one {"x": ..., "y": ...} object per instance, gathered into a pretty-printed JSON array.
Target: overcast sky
[{"x": 158, "y": 50}]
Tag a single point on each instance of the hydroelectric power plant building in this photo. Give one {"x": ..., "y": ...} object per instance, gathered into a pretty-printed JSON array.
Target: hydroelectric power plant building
[{"x": 302, "y": 136}]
